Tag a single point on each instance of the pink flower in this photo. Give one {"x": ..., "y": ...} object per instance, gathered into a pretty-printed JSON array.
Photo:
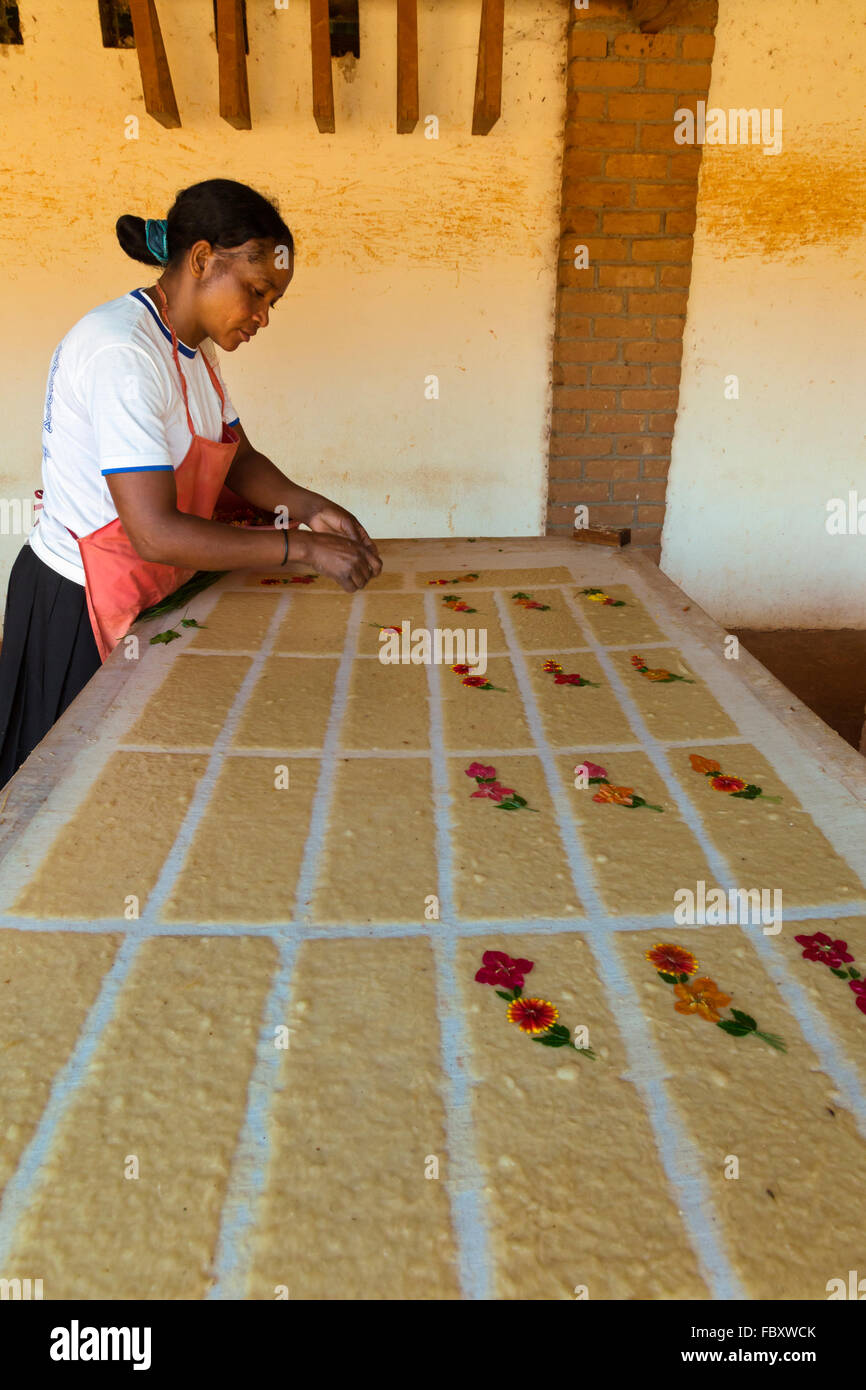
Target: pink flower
[
  {"x": 591, "y": 769},
  {"x": 480, "y": 770}
]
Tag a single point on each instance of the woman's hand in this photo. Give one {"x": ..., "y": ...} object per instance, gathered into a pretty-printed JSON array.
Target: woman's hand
[
  {"x": 326, "y": 516},
  {"x": 349, "y": 562}
]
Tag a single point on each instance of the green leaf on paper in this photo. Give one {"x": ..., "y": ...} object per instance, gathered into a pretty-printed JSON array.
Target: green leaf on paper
[
  {"x": 745, "y": 1019},
  {"x": 737, "y": 1030},
  {"x": 168, "y": 636}
]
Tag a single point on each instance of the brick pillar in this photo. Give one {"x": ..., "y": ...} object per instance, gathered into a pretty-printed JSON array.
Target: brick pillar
[{"x": 628, "y": 195}]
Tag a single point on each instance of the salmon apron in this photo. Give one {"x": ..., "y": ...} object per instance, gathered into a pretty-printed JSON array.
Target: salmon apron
[{"x": 118, "y": 582}]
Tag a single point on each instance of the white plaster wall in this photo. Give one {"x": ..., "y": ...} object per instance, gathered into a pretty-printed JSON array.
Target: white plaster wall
[
  {"x": 778, "y": 297},
  {"x": 413, "y": 256}
]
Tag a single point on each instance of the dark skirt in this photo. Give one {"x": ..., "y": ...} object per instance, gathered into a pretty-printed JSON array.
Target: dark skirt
[{"x": 48, "y": 655}]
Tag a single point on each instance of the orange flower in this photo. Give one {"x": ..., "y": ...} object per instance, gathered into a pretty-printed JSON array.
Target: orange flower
[
  {"x": 656, "y": 674},
  {"x": 621, "y": 796},
  {"x": 701, "y": 996},
  {"x": 704, "y": 764}
]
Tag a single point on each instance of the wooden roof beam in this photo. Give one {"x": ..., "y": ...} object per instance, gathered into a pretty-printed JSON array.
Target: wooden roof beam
[
  {"x": 653, "y": 15},
  {"x": 231, "y": 53},
  {"x": 156, "y": 84},
  {"x": 407, "y": 66},
  {"x": 323, "y": 81},
  {"x": 488, "y": 77}
]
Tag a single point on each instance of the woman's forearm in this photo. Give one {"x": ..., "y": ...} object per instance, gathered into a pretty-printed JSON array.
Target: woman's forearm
[
  {"x": 191, "y": 542},
  {"x": 257, "y": 479}
]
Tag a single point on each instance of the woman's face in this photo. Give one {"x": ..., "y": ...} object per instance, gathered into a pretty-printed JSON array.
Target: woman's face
[{"x": 239, "y": 292}]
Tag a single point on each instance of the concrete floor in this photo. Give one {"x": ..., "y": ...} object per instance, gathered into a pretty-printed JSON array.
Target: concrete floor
[{"x": 825, "y": 669}]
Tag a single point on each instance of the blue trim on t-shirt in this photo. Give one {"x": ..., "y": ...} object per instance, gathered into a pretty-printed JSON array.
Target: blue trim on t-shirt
[
  {"x": 140, "y": 468},
  {"x": 143, "y": 299}
]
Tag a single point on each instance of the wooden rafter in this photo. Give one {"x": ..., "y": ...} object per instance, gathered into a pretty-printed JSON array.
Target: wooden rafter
[
  {"x": 156, "y": 84},
  {"x": 234, "y": 91},
  {"x": 653, "y": 15},
  {"x": 488, "y": 77},
  {"x": 407, "y": 66},
  {"x": 323, "y": 82}
]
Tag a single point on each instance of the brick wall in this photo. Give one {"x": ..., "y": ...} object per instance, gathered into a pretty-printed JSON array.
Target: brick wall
[{"x": 629, "y": 196}]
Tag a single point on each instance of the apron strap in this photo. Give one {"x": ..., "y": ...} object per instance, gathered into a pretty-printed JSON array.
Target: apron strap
[{"x": 180, "y": 373}]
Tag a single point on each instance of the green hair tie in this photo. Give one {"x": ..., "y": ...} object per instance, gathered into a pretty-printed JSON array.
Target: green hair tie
[{"x": 155, "y": 235}]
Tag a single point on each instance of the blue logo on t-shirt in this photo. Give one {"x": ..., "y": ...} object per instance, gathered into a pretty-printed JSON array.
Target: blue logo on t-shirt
[{"x": 49, "y": 397}]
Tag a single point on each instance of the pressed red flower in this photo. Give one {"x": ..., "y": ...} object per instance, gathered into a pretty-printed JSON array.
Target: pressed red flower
[
  {"x": 475, "y": 680},
  {"x": 637, "y": 661},
  {"x": 565, "y": 679},
  {"x": 480, "y": 770},
  {"x": 591, "y": 769},
  {"x": 551, "y": 665},
  {"x": 501, "y": 969},
  {"x": 609, "y": 600},
  {"x": 462, "y": 669},
  {"x": 674, "y": 960},
  {"x": 498, "y": 792},
  {"x": 727, "y": 784},
  {"x": 532, "y": 1015},
  {"x": 819, "y": 946},
  {"x": 859, "y": 988}
]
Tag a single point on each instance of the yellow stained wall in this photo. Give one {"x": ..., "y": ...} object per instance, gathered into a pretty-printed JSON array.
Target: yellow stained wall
[
  {"x": 778, "y": 299},
  {"x": 414, "y": 256}
]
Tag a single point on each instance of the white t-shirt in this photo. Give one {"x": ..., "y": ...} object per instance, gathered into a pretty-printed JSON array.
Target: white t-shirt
[{"x": 113, "y": 404}]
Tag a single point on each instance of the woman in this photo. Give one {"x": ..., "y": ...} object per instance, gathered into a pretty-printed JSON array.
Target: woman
[{"x": 140, "y": 441}]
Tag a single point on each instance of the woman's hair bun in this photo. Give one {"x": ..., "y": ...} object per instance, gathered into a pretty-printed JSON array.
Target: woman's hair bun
[{"x": 130, "y": 233}]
